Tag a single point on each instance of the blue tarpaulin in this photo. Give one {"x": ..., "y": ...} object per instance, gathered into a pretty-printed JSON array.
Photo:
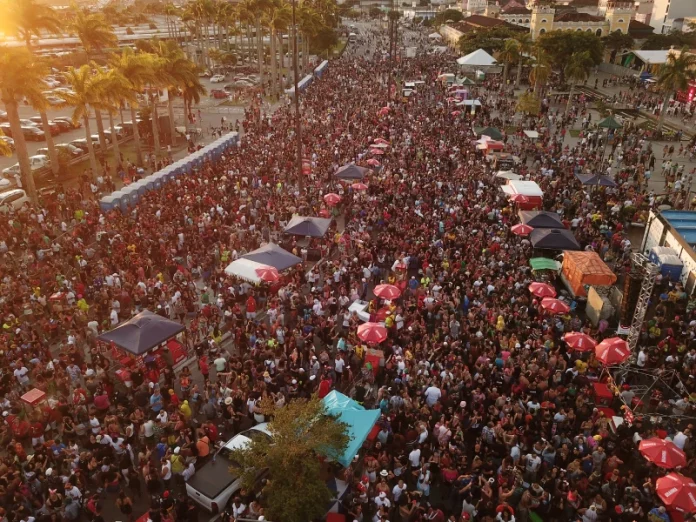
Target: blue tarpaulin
[{"x": 359, "y": 420}]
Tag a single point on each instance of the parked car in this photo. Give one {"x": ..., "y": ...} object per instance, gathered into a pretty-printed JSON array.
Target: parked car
[
  {"x": 63, "y": 125},
  {"x": 9, "y": 141},
  {"x": 81, "y": 143},
  {"x": 51, "y": 82},
  {"x": 55, "y": 128},
  {"x": 27, "y": 123},
  {"x": 54, "y": 100},
  {"x": 68, "y": 120},
  {"x": 218, "y": 94},
  {"x": 33, "y": 134},
  {"x": 107, "y": 137},
  {"x": 218, "y": 78},
  {"x": 36, "y": 162},
  {"x": 3, "y": 116},
  {"x": 69, "y": 151},
  {"x": 213, "y": 485},
  {"x": 108, "y": 133},
  {"x": 15, "y": 198},
  {"x": 127, "y": 126}
]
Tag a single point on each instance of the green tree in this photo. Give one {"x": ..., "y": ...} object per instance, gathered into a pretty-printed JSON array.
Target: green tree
[
  {"x": 115, "y": 90},
  {"x": 541, "y": 71},
  {"x": 453, "y": 15},
  {"x": 21, "y": 76},
  {"x": 490, "y": 40},
  {"x": 509, "y": 53},
  {"x": 577, "y": 70},
  {"x": 675, "y": 75},
  {"x": 27, "y": 18},
  {"x": 559, "y": 46},
  {"x": 676, "y": 39},
  {"x": 301, "y": 430},
  {"x": 375, "y": 12},
  {"x": 617, "y": 41},
  {"x": 528, "y": 103}
]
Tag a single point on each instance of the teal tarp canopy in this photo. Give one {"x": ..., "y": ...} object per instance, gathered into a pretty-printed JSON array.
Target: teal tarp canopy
[{"x": 359, "y": 421}]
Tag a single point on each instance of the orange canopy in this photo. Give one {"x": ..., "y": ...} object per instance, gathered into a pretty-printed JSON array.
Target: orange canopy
[{"x": 586, "y": 268}]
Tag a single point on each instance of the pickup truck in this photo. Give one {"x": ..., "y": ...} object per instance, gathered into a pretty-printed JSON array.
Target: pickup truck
[{"x": 213, "y": 485}]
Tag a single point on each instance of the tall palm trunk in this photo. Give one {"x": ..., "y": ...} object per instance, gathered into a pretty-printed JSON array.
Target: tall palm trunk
[
  {"x": 21, "y": 148},
  {"x": 259, "y": 47},
  {"x": 570, "y": 99},
  {"x": 117, "y": 150},
  {"x": 660, "y": 121},
  {"x": 136, "y": 137},
  {"x": 249, "y": 46},
  {"x": 170, "y": 108},
  {"x": 100, "y": 131},
  {"x": 52, "y": 154},
  {"x": 274, "y": 71},
  {"x": 90, "y": 146},
  {"x": 155, "y": 126},
  {"x": 519, "y": 73},
  {"x": 505, "y": 72},
  {"x": 281, "y": 51}
]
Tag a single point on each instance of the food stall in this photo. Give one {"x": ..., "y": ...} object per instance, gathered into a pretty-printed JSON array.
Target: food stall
[
  {"x": 147, "y": 339},
  {"x": 529, "y": 189},
  {"x": 581, "y": 269}
]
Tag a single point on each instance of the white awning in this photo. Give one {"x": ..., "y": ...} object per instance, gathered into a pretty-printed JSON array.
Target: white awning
[
  {"x": 478, "y": 58},
  {"x": 244, "y": 269},
  {"x": 531, "y": 133}
]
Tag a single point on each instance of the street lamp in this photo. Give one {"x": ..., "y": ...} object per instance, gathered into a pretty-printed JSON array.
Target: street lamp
[{"x": 298, "y": 128}]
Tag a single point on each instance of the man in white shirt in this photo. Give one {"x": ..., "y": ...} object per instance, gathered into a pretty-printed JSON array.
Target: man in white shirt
[
  {"x": 681, "y": 437},
  {"x": 532, "y": 464},
  {"x": 414, "y": 457},
  {"x": 22, "y": 375},
  {"x": 398, "y": 490},
  {"x": 642, "y": 358},
  {"x": 432, "y": 395}
]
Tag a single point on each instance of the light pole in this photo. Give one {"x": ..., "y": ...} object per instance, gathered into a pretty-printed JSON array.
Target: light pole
[{"x": 298, "y": 128}]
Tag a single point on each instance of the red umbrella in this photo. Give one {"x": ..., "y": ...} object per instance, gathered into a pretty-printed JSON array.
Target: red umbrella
[
  {"x": 372, "y": 162},
  {"x": 268, "y": 273},
  {"x": 390, "y": 292},
  {"x": 378, "y": 152},
  {"x": 663, "y": 453},
  {"x": 332, "y": 199},
  {"x": 359, "y": 186},
  {"x": 554, "y": 306},
  {"x": 677, "y": 491},
  {"x": 522, "y": 230},
  {"x": 324, "y": 212},
  {"x": 542, "y": 290},
  {"x": 519, "y": 198},
  {"x": 372, "y": 333},
  {"x": 612, "y": 351},
  {"x": 579, "y": 341}
]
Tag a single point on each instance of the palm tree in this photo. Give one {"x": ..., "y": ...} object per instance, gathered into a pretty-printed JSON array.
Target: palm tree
[
  {"x": 246, "y": 17},
  {"x": 87, "y": 93},
  {"x": 541, "y": 70},
  {"x": 192, "y": 96},
  {"x": 178, "y": 72},
  {"x": 675, "y": 75},
  {"x": 509, "y": 53},
  {"x": 137, "y": 69},
  {"x": 27, "y": 18},
  {"x": 524, "y": 47},
  {"x": 116, "y": 90},
  {"x": 278, "y": 19},
  {"x": 21, "y": 76},
  {"x": 310, "y": 23},
  {"x": 577, "y": 70},
  {"x": 95, "y": 33},
  {"x": 259, "y": 7}
]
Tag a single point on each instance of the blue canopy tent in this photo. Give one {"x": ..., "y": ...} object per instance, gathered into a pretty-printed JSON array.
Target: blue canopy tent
[
  {"x": 272, "y": 255},
  {"x": 142, "y": 333},
  {"x": 595, "y": 179},
  {"x": 359, "y": 421},
  {"x": 307, "y": 226}
]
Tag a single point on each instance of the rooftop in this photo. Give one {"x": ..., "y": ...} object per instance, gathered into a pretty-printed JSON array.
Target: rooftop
[
  {"x": 639, "y": 29},
  {"x": 578, "y": 17},
  {"x": 683, "y": 222},
  {"x": 584, "y": 3},
  {"x": 516, "y": 10}
]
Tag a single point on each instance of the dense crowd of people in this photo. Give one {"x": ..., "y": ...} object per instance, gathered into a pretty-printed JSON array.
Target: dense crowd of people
[{"x": 486, "y": 413}]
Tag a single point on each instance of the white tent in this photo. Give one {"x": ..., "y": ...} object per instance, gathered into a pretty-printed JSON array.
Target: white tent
[
  {"x": 478, "y": 58},
  {"x": 509, "y": 175},
  {"x": 244, "y": 269},
  {"x": 475, "y": 103},
  {"x": 531, "y": 134},
  {"x": 435, "y": 36}
]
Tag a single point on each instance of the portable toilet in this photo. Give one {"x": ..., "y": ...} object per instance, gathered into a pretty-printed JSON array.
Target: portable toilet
[
  {"x": 148, "y": 182},
  {"x": 122, "y": 200},
  {"x": 668, "y": 261},
  {"x": 132, "y": 192},
  {"x": 107, "y": 203},
  {"x": 138, "y": 188},
  {"x": 156, "y": 181}
]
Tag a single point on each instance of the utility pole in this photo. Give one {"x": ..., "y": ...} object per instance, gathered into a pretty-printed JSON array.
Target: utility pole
[
  {"x": 392, "y": 49},
  {"x": 298, "y": 128}
]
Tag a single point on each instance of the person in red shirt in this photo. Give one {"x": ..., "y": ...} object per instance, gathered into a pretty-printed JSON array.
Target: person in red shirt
[
  {"x": 324, "y": 387},
  {"x": 251, "y": 307},
  {"x": 37, "y": 432},
  {"x": 101, "y": 402},
  {"x": 204, "y": 368}
]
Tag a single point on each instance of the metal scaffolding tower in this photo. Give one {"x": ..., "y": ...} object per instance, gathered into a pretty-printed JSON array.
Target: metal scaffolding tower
[{"x": 644, "y": 268}]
